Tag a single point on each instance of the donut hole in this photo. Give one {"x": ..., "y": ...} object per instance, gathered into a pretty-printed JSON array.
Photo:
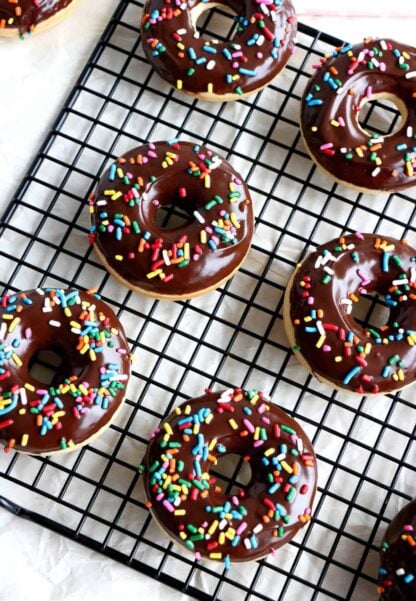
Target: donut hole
[
  {"x": 232, "y": 473},
  {"x": 172, "y": 217},
  {"x": 214, "y": 21},
  {"x": 382, "y": 114},
  {"x": 371, "y": 311},
  {"x": 50, "y": 366}
]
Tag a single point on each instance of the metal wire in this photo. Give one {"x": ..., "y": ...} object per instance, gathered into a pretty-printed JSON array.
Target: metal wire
[{"x": 233, "y": 336}]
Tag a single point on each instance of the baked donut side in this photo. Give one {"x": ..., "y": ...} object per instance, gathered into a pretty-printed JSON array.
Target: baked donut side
[
  {"x": 397, "y": 573},
  {"x": 319, "y": 322},
  {"x": 30, "y": 16},
  {"x": 88, "y": 387},
  {"x": 334, "y": 97},
  {"x": 177, "y": 262},
  {"x": 212, "y": 69},
  {"x": 194, "y": 511}
]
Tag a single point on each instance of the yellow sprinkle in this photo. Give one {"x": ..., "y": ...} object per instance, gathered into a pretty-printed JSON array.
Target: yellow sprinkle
[
  {"x": 186, "y": 251},
  {"x": 215, "y": 555},
  {"x": 167, "y": 428},
  {"x": 307, "y": 319},
  {"x": 212, "y": 444},
  {"x": 179, "y": 512},
  {"x": 269, "y": 452},
  {"x": 179, "y": 84},
  {"x": 116, "y": 196},
  {"x": 67, "y": 312},
  {"x": 153, "y": 274},
  {"x": 17, "y": 360},
  {"x": 320, "y": 341},
  {"x": 178, "y": 411},
  {"x": 120, "y": 173},
  {"x": 187, "y": 409},
  {"x": 7, "y": 316},
  {"x": 83, "y": 389},
  {"x": 338, "y": 359},
  {"x": 109, "y": 192},
  {"x": 82, "y": 352},
  {"x": 231, "y": 187},
  {"x": 286, "y": 467},
  {"x": 92, "y": 354},
  {"x": 203, "y": 237},
  {"x": 180, "y": 46},
  {"x": 29, "y": 387},
  {"x": 230, "y": 533},
  {"x": 207, "y": 180},
  {"x": 22, "y": 411},
  {"x": 233, "y": 424},
  {"x": 209, "y": 418},
  {"x": 213, "y": 527},
  {"x": 14, "y": 323},
  {"x": 359, "y": 152},
  {"x": 314, "y": 128},
  {"x": 257, "y": 433},
  {"x": 183, "y": 535},
  {"x": 118, "y": 257},
  {"x": 221, "y": 538},
  {"x": 334, "y": 123},
  {"x": 70, "y": 443},
  {"x": 210, "y": 88},
  {"x": 400, "y": 373},
  {"x": 410, "y": 341},
  {"x": 367, "y": 348},
  {"x": 234, "y": 221},
  {"x": 25, "y": 440},
  {"x": 254, "y": 400}
]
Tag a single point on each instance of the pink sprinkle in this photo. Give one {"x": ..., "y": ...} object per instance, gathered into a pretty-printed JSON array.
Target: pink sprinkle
[
  {"x": 248, "y": 425},
  {"x": 197, "y": 555},
  {"x": 341, "y": 121},
  {"x": 359, "y": 235},
  {"x": 168, "y": 505},
  {"x": 241, "y": 527},
  {"x": 311, "y": 300},
  {"x": 258, "y": 443},
  {"x": 408, "y": 528},
  {"x": 262, "y": 408},
  {"x": 265, "y": 420},
  {"x": 326, "y": 348},
  {"x": 326, "y": 146},
  {"x": 28, "y": 333},
  {"x": 152, "y": 154},
  {"x": 369, "y": 92}
]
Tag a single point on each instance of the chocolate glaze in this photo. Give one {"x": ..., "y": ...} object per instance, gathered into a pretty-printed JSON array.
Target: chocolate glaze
[
  {"x": 30, "y": 15},
  {"x": 140, "y": 249},
  {"x": 173, "y": 54},
  {"x": 326, "y": 103},
  {"x": 397, "y": 574},
  {"x": 252, "y": 508},
  {"x": 79, "y": 414},
  {"x": 350, "y": 267}
]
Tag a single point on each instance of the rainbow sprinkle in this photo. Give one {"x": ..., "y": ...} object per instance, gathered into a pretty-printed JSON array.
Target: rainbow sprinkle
[
  {"x": 185, "y": 496},
  {"x": 77, "y": 316}
]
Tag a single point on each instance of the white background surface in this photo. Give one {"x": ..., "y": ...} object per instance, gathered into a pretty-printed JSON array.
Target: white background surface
[{"x": 36, "y": 76}]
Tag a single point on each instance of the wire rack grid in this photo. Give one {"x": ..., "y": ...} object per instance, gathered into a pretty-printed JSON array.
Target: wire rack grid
[{"x": 233, "y": 336}]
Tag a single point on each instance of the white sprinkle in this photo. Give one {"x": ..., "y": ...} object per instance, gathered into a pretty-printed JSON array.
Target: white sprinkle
[
  {"x": 101, "y": 203},
  {"x": 376, "y": 172},
  {"x": 247, "y": 543},
  {"x": 165, "y": 256},
  {"x": 23, "y": 396},
  {"x": 260, "y": 40},
  {"x": 3, "y": 331},
  {"x": 400, "y": 572},
  {"x": 54, "y": 323},
  {"x": 383, "y": 44},
  {"x": 410, "y": 74},
  {"x": 210, "y": 65},
  {"x": 181, "y": 31},
  {"x": 400, "y": 282},
  {"x": 199, "y": 217},
  {"x": 223, "y": 524},
  {"x": 75, "y": 330},
  {"x": 320, "y": 328},
  {"x": 409, "y": 131},
  {"x": 258, "y": 528},
  {"x": 329, "y": 270}
]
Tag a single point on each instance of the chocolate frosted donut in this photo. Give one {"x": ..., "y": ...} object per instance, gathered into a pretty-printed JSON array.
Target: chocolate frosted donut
[
  {"x": 88, "y": 387},
  {"x": 26, "y": 16},
  {"x": 193, "y": 510},
  {"x": 319, "y": 321},
  {"x": 214, "y": 70},
  {"x": 344, "y": 82},
  {"x": 177, "y": 262},
  {"x": 397, "y": 574}
]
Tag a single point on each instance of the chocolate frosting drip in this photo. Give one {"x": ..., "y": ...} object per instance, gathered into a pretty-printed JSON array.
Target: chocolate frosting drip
[
  {"x": 90, "y": 384},
  {"x": 397, "y": 574},
  {"x": 195, "y": 512},
  {"x": 181, "y": 261},
  {"x": 331, "y": 104},
  {"x": 26, "y": 14},
  {"x": 325, "y": 288},
  {"x": 259, "y": 50}
]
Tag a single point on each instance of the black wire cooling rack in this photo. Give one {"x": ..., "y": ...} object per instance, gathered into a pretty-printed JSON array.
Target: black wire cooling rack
[{"x": 365, "y": 446}]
